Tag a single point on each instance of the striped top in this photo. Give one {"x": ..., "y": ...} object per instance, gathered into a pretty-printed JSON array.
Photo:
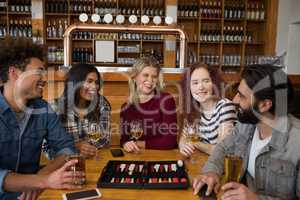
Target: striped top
[{"x": 224, "y": 111}]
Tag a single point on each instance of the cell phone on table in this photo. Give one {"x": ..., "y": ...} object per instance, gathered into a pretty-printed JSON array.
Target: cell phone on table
[
  {"x": 117, "y": 152},
  {"x": 82, "y": 195}
]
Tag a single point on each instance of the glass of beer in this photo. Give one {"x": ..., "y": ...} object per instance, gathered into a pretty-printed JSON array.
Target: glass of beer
[
  {"x": 191, "y": 135},
  {"x": 78, "y": 167},
  {"x": 233, "y": 166},
  {"x": 94, "y": 136},
  {"x": 136, "y": 130}
]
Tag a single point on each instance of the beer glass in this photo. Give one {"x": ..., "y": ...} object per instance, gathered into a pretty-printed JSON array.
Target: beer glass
[
  {"x": 94, "y": 136},
  {"x": 232, "y": 168},
  {"x": 78, "y": 167},
  {"x": 192, "y": 136}
]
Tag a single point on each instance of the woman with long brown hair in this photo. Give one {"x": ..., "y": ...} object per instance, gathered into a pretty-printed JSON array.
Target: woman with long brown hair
[{"x": 213, "y": 116}]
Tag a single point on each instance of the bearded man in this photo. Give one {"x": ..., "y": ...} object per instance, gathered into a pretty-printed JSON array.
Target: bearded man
[{"x": 266, "y": 137}]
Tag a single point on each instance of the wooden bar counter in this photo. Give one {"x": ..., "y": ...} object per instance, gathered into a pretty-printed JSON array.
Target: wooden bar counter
[{"x": 94, "y": 168}]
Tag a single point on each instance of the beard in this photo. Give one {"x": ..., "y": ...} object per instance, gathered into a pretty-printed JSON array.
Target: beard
[{"x": 248, "y": 116}]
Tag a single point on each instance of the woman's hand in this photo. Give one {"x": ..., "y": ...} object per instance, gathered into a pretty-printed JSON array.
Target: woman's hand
[
  {"x": 86, "y": 149},
  {"x": 131, "y": 146},
  {"x": 187, "y": 149}
]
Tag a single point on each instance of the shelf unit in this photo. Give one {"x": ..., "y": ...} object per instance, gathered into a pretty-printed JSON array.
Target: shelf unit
[
  {"x": 218, "y": 52},
  {"x": 69, "y": 14},
  {"x": 15, "y": 18},
  {"x": 217, "y": 18}
]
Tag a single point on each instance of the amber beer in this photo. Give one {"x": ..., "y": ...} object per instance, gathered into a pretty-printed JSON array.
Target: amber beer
[
  {"x": 232, "y": 168},
  {"x": 136, "y": 134},
  {"x": 94, "y": 137},
  {"x": 192, "y": 138},
  {"x": 78, "y": 167}
]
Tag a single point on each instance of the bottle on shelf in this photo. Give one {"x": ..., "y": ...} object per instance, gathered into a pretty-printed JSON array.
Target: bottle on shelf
[
  {"x": 19, "y": 28},
  {"x": 106, "y": 36},
  {"x": 82, "y": 55},
  {"x": 3, "y": 32},
  {"x": 56, "y": 29},
  {"x": 192, "y": 56},
  {"x": 211, "y": 59},
  {"x": 262, "y": 13},
  {"x": 231, "y": 60},
  {"x": 129, "y": 48},
  {"x": 57, "y": 6},
  {"x": 233, "y": 34},
  {"x": 55, "y": 54},
  {"x": 3, "y": 6}
]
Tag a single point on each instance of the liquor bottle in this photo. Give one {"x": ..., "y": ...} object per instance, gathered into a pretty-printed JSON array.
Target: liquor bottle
[
  {"x": 54, "y": 29},
  {"x": 60, "y": 29},
  {"x": 257, "y": 13},
  {"x": 49, "y": 30},
  {"x": 262, "y": 12},
  {"x": 253, "y": 12}
]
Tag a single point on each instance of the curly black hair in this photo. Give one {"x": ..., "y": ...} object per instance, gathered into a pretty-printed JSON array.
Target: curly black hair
[{"x": 17, "y": 52}]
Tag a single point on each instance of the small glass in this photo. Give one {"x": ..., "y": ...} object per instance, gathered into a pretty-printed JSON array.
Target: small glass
[
  {"x": 136, "y": 131},
  {"x": 78, "y": 167}
]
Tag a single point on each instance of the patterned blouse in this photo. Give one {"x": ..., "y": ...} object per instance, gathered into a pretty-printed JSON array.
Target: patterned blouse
[{"x": 79, "y": 127}]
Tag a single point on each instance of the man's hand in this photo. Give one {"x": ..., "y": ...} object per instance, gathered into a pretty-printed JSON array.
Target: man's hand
[
  {"x": 212, "y": 181},
  {"x": 131, "y": 146},
  {"x": 237, "y": 191},
  {"x": 86, "y": 149},
  {"x": 62, "y": 178}
]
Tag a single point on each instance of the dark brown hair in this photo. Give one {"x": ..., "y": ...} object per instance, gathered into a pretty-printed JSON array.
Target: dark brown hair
[
  {"x": 190, "y": 107},
  {"x": 17, "y": 52},
  {"x": 71, "y": 94}
]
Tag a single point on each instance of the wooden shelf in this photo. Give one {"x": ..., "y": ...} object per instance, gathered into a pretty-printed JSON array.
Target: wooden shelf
[
  {"x": 54, "y": 39},
  {"x": 122, "y": 52},
  {"x": 129, "y": 40},
  {"x": 153, "y": 41},
  {"x": 232, "y": 43},
  {"x": 234, "y": 20},
  {"x": 255, "y": 21},
  {"x": 83, "y": 40},
  {"x": 19, "y": 13},
  {"x": 57, "y": 14},
  {"x": 255, "y": 43},
  {"x": 187, "y": 18},
  {"x": 210, "y": 43},
  {"x": 210, "y": 18}
]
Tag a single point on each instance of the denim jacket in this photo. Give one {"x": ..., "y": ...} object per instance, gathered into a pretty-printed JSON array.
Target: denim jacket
[
  {"x": 277, "y": 173},
  {"x": 20, "y": 147}
]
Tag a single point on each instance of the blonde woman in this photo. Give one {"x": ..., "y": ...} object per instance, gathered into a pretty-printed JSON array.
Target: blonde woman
[{"x": 153, "y": 110}]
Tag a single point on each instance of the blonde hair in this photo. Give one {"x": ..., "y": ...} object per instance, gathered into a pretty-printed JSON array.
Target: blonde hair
[{"x": 137, "y": 68}]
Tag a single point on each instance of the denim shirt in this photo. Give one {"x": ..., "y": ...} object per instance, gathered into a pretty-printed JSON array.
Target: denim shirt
[
  {"x": 20, "y": 147},
  {"x": 277, "y": 167}
]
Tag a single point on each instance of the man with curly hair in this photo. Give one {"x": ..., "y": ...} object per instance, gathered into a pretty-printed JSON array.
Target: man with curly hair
[{"x": 25, "y": 121}]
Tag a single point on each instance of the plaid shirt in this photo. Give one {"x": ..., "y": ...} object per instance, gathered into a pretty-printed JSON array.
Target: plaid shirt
[{"x": 78, "y": 128}]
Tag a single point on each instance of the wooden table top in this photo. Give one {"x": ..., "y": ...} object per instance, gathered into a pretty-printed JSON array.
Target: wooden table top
[{"x": 94, "y": 168}]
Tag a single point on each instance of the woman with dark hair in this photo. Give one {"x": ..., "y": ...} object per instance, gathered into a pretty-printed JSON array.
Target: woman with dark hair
[
  {"x": 81, "y": 105},
  {"x": 213, "y": 116}
]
